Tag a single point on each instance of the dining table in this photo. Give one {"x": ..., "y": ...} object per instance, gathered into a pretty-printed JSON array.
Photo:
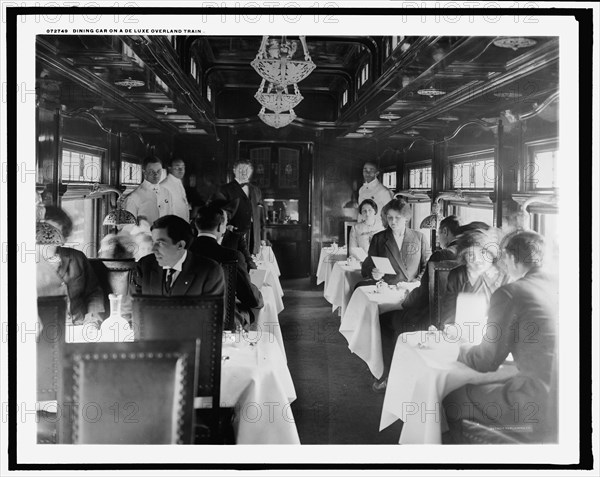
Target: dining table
[
  {"x": 266, "y": 254},
  {"x": 272, "y": 279},
  {"x": 327, "y": 258},
  {"x": 360, "y": 322},
  {"x": 267, "y": 317},
  {"x": 424, "y": 370},
  {"x": 340, "y": 286},
  {"x": 255, "y": 381}
]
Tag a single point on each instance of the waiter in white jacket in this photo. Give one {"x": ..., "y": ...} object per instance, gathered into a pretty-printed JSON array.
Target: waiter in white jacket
[
  {"x": 150, "y": 199},
  {"x": 173, "y": 182},
  {"x": 372, "y": 188}
]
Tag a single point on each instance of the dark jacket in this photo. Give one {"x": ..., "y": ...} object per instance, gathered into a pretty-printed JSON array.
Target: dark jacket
[
  {"x": 522, "y": 320},
  {"x": 85, "y": 294},
  {"x": 247, "y": 217},
  {"x": 458, "y": 282},
  {"x": 409, "y": 263},
  {"x": 248, "y": 295},
  {"x": 198, "y": 276},
  {"x": 415, "y": 308}
]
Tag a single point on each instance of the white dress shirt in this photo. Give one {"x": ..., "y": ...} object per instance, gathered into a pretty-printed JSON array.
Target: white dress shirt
[
  {"x": 376, "y": 191},
  {"x": 150, "y": 200},
  {"x": 181, "y": 207}
]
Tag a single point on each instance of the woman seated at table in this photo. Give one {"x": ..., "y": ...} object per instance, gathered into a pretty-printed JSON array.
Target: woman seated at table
[
  {"x": 522, "y": 321},
  {"x": 406, "y": 249},
  {"x": 477, "y": 274},
  {"x": 362, "y": 232},
  {"x": 65, "y": 270}
]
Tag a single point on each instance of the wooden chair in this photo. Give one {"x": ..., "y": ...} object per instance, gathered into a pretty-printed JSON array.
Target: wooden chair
[
  {"x": 52, "y": 312},
  {"x": 114, "y": 276},
  {"x": 438, "y": 278},
  {"x": 129, "y": 393},
  {"x": 157, "y": 317},
  {"x": 230, "y": 271}
]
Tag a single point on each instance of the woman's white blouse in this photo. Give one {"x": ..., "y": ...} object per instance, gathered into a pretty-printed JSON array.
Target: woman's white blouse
[{"x": 361, "y": 235}]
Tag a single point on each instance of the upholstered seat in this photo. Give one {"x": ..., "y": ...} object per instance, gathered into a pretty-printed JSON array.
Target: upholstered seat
[
  {"x": 157, "y": 317},
  {"x": 438, "y": 278},
  {"x": 129, "y": 393}
]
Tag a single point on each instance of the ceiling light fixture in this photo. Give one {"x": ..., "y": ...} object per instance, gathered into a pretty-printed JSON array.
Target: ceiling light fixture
[
  {"x": 448, "y": 119},
  {"x": 364, "y": 131},
  {"x": 274, "y": 61},
  {"x": 276, "y": 120},
  {"x": 515, "y": 42},
  {"x": 412, "y": 132},
  {"x": 276, "y": 97},
  {"x": 165, "y": 110},
  {"x": 187, "y": 126},
  {"x": 431, "y": 92},
  {"x": 130, "y": 83},
  {"x": 389, "y": 116}
]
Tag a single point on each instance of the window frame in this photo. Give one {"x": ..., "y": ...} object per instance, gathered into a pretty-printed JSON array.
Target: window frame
[
  {"x": 531, "y": 148},
  {"x": 471, "y": 157},
  {"x": 419, "y": 165}
]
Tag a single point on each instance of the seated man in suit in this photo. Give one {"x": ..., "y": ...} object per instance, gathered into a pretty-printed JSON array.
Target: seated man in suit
[
  {"x": 173, "y": 271},
  {"x": 211, "y": 222},
  {"x": 523, "y": 406},
  {"x": 414, "y": 310}
]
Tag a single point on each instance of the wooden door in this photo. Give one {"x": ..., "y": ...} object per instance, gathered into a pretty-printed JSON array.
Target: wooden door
[{"x": 283, "y": 173}]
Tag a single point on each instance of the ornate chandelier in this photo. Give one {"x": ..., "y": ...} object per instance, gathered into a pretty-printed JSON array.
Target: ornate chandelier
[
  {"x": 275, "y": 64},
  {"x": 278, "y": 100},
  {"x": 277, "y": 120}
]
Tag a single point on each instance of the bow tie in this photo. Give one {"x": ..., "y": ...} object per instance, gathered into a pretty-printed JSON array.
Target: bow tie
[{"x": 244, "y": 184}]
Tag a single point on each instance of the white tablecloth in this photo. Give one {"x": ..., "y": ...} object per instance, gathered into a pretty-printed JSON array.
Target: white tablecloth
[
  {"x": 255, "y": 380},
  {"x": 272, "y": 279},
  {"x": 360, "y": 323},
  {"x": 327, "y": 259},
  {"x": 419, "y": 379},
  {"x": 266, "y": 255},
  {"x": 267, "y": 319},
  {"x": 341, "y": 283}
]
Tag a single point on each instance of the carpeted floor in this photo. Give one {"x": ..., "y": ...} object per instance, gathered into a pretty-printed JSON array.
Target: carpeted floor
[{"x": 335, "y": 403}]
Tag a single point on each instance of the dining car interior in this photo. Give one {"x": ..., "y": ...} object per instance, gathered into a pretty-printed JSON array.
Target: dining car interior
[{"x": 297, "y": 239}]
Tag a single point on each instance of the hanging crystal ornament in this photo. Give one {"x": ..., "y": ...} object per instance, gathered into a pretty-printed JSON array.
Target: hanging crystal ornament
[
  {"x": 276, "y": 98},
  {"x": 275, "y": 64},
  {"x": 277, "y": 120}
]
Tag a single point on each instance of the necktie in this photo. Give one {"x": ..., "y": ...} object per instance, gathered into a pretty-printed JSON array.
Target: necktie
[{"x": 169, "y": 279}]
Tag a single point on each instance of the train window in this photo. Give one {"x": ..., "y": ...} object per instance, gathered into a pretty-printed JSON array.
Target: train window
[
  {"x": 540, "y": 169},
  {"x": 476, "y": 174},
  {"x": 364, "y": 74},
  {"x": 80, "y": 166},
  {"x": 345, "y": 98},
  {"x": 193, "y": 69},
  {"x": 208, "y": 93},
  {"x": 471, "y": 214},
  {"x": 129, "y": 53},
  {"x": 388, "y": 179},
  {"x": 84, "y": 235},
  {"x": 420, "y": 210},
  {"x": 419, "y": 178},
  {"x": 131, "y": 173}
]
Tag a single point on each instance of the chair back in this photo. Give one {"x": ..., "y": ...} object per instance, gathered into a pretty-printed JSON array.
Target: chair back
[
  {"x": 114, "y": 276},
  {"x": 158, "y": 318},
  {"x": 52, "y": 312},
  {"x": 128, "y": 393},
  {"x": 230, "y": 271},
  {"x": 438, "y": 278},
  {"x": 476, "y": 433}
]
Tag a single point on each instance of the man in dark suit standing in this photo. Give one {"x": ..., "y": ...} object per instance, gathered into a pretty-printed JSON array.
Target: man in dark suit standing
[
  {"x": 211, "y": 222},
  {"x": 173, "y": 271},
  {"x": 245, "y": 223}
]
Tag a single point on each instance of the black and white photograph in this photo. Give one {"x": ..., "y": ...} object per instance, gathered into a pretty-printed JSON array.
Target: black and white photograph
[{"x": 301, "y": 236}]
